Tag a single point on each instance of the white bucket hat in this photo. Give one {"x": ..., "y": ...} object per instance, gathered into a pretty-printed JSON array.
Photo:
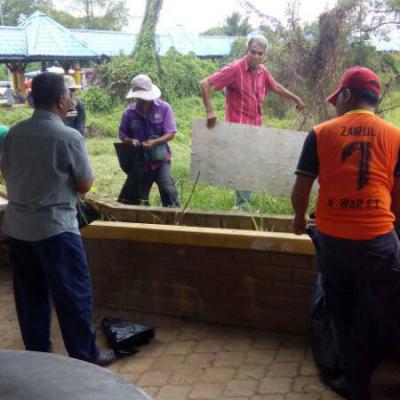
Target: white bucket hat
[
  {"x": 143, "y": 88},
  {"x": 70, "y": 82}
]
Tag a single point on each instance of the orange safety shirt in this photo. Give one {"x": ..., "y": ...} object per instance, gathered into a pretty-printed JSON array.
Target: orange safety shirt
[{"x": 355, "y": 158}]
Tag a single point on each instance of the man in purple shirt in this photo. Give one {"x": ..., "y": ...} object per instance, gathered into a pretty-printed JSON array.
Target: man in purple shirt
[{"x": 147, "y": 125}]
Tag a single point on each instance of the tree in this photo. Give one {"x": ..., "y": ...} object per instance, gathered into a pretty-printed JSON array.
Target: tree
[
  {"x": 234, "y": 26},
  {"x": 13, "y": 10},
  {"x": 100, "y": 14},
  {"x": 145, "y": 53}
]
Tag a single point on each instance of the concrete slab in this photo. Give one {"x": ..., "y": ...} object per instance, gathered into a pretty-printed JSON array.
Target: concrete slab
[
  {"x": 31, "y": 375},
  {"x": 246, "y": 157}
]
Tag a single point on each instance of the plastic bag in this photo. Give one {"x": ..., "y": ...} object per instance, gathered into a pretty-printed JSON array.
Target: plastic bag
[
  {"x": 85, "y": 214},
  {"x": 123, "y": 336}
]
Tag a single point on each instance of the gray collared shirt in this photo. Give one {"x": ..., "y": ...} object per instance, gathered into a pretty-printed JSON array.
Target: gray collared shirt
[{"x": 42, "y": 159}]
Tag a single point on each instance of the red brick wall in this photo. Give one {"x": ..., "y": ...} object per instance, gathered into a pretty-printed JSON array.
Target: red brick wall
[{"x": 243, "y": 287}]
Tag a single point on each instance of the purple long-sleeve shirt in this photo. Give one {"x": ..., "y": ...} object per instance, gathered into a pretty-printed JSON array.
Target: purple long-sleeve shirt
[{"x": 158, "y": 121}]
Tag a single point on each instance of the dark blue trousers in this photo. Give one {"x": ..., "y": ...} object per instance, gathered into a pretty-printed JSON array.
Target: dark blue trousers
[
  {"x": 55, "y": 267},
  {"x": 136, "y": 189},
  {"x": 350, "y": 270}
]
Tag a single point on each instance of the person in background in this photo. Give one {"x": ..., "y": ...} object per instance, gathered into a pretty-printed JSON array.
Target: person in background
[
  {"x": 45, "y": 166},
  {"x": 76, "y": 116},
  {"x": 9, "y": 96},
  {"x": 149, "y": 124},
  {"x": 356, "y": 158},
  {"x": 246, "y": 82},
  {"x": 20, "y": 99}
]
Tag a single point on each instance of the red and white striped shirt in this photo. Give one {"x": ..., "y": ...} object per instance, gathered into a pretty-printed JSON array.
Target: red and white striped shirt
[{"x": 244, "y": 91}]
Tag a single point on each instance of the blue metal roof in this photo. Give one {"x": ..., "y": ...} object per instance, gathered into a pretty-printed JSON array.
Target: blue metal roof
[
  {"x": 110, "y": 43},
  {"x": 47, "y": 40},
  {"x": 107, "y": 43},
  {"x": 40, "y": 38},
  {"x": 12, "y": 43}
]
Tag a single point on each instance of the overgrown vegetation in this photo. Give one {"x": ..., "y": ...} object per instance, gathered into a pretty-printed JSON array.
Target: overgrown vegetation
[{"x": 307, "y": 59}]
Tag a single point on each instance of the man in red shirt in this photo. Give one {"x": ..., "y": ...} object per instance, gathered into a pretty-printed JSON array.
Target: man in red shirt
[
  {"x": 246, "y": 82},
  {"x": 356, "y": 158}
]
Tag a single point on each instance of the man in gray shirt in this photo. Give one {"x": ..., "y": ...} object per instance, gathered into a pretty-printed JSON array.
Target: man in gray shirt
[{"x": 45, "y": 165}]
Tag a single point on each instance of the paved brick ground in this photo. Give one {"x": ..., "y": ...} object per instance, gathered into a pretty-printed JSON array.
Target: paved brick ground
[{"x": 197, "y": 361}]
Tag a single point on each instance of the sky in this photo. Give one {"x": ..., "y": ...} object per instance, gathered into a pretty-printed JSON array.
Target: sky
[{"x": 199, "y": 15}]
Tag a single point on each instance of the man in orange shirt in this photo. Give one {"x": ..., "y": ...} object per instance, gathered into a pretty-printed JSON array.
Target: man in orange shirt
[{"x": 356, "y": 160}]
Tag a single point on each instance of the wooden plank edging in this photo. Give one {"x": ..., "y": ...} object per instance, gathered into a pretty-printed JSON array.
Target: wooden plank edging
[{"x": 197, "y": 236}]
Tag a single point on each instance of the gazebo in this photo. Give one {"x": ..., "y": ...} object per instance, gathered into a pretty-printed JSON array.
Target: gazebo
[{"x": 41, "y": 39}]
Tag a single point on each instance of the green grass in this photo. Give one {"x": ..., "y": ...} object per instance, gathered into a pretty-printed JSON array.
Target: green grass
[{"x": 109, "y": 177}]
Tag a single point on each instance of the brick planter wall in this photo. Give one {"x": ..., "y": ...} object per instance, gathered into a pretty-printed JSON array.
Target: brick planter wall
[{"x": 260, "y": 289}]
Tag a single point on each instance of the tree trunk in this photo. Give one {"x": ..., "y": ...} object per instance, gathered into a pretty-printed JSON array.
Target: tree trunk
[{"x": 145, "y": 53}]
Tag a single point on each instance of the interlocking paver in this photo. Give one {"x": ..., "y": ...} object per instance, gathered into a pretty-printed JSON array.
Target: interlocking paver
[
  {"x": 308, "y": 368},
  {"x": 246, "y": 388},
  {"x": 206, "y": 391},
  {"x": 218, "y": 374},
  {"x": 284, "y": 369},
  {"x": 229, "y": 358},
  {"x": 237, "y": 344},
  {"x": 308, "y": 384},
  {"x": 251, "y": 372},
  {"x": 191, "y": 360},
  {"x": 262, "y": 357},
  {"x": 174, "y": 392},
  {"x": 151, "y": 390},
  {"x": 167, "y": 363},
  {"x": 275, "y": 385},
  {"x": 303, "y": 396},
  {"x": 187, "y": 375},
  {"x": 181, "y": 347},
  {"x": 198, "y": 360},
  {"x": 290, "y": 354},
  {"x": 154, "y": 378},
  {"x": 209, "y": 346}
]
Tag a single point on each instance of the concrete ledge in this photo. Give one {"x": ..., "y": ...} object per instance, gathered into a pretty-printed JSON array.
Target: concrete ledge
[{"x": 196, "y": 236}]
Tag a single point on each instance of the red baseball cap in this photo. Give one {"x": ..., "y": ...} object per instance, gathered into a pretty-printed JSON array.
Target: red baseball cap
[{"x": 357, "y": 77}]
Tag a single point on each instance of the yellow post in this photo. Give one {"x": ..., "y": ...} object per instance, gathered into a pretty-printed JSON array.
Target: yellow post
[{"x": 77, "y": 73}]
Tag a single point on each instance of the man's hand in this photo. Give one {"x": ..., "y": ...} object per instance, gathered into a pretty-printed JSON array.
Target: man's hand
[
  {"x": 299, "y": 225},
  {"x": 149, "y": 143},
  {"x": 132, "y": 142},
  {"x": 299, "y": 104},
  {"x": 211, "y": 119}
]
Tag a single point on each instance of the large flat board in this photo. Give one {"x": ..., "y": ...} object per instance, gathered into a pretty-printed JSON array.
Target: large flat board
[{"x": 245, "y": 157}]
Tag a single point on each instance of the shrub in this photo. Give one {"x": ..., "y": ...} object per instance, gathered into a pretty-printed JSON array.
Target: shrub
[
  {"x": 183, "y": 74},
  {"x": 115, "y": 75},
  {"x": 97, "y": 100}
]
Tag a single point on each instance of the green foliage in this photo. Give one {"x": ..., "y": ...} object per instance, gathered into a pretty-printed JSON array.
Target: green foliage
[
  {"x": 10, "y": 116},
  {"x": 115, "y": 75},
  {"x": 234, "y": 26},
  {"x": 102, "y": 14},
  {"x": 145, "y": 53},
  {"x": 3, "y": 73},
  {"x": 238, "y": 50},
  {"x": 13, "y": 9},
  {"x": 92, "y": 14},
  {"x": 97, "y": 100},
  {"x": 182, "y": 74},
  {"x": 104, "y": 124}
]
